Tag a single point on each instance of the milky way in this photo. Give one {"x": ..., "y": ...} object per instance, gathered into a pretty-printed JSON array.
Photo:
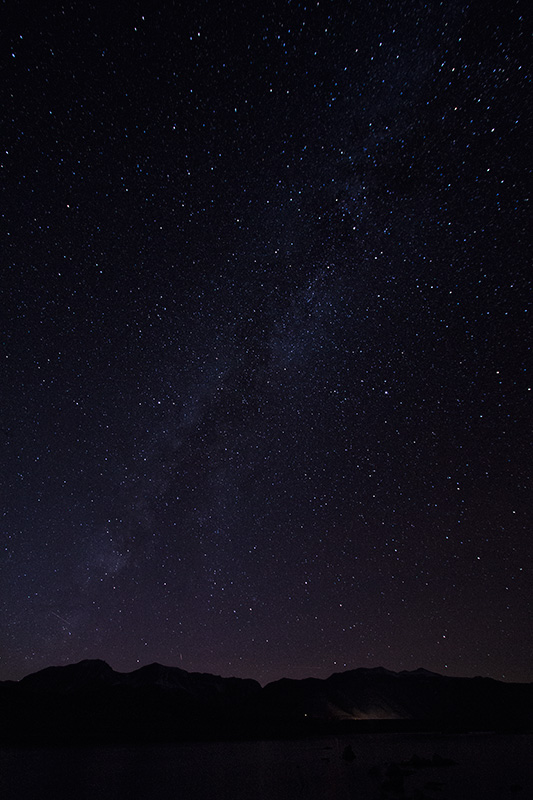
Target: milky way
[{"x": 265, "y": 403}]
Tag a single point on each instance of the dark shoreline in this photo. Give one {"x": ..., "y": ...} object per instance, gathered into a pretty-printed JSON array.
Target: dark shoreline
[{"x": 311, "y": 729}]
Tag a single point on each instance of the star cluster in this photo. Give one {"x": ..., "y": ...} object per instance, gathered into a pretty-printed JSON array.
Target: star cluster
[{"x": 266, "y": 401}]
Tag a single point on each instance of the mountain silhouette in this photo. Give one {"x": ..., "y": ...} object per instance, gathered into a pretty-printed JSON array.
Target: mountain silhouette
[{"x": 91, "y": 702}]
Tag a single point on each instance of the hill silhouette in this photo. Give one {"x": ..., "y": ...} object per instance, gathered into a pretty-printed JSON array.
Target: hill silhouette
[{"x": 91, "y": 702}]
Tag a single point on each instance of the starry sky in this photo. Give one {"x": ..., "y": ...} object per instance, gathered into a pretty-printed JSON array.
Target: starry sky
[{"x": 265, "y": 391}]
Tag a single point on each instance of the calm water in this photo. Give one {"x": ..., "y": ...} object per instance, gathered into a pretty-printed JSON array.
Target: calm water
[{"x": 490, "y": 767}]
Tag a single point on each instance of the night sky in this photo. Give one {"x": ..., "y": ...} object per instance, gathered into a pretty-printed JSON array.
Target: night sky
[{"x": 265, "y": 391}]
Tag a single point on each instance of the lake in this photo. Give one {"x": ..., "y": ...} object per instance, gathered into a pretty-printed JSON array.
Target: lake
[{"x": 489, "y": 767}]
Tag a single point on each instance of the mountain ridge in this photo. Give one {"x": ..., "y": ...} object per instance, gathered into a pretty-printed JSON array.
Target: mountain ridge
[
  {"x": 90, "y": 701},
  {"x": 104, "y": 666}
]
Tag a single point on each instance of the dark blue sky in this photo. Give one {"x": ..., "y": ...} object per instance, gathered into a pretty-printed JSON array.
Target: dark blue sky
[{"x": 266, "y": 402}]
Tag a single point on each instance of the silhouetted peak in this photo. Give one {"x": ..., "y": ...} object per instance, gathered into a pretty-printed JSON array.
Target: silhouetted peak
[
  {"x": 157, "y": 675},
  {"x": 92, "y": 664},
  {"x": 421, "y": 672},
  {"x": 71, "y": 676},
  {"x": 377, "y": 671}
]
